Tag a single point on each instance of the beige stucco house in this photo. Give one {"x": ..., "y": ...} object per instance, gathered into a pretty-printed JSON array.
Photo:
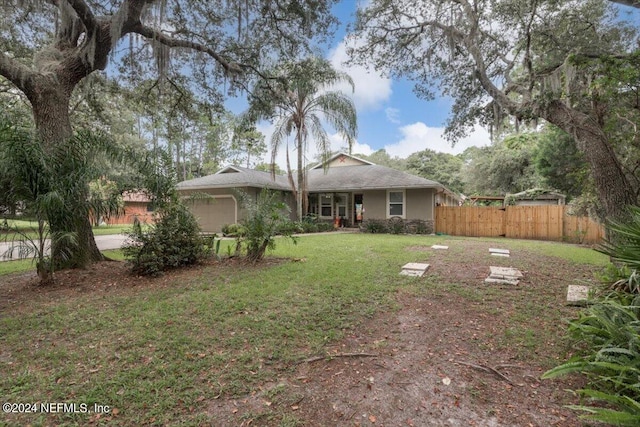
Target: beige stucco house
[{"x": 348, "y": 188}]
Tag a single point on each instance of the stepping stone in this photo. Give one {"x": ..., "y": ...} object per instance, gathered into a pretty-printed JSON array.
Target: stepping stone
[
  {"x": 502, "y": 281},
  {"x": 504, "y": 275},
  {"x": 414, "y": 269},
  {"x": 439, "y": 247},
  {"x": 499, "y": 251},
  {"x": 577, "y": 294}
]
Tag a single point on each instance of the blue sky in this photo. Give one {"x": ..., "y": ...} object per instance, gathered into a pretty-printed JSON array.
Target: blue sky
[{"x": 390, "y": 116}]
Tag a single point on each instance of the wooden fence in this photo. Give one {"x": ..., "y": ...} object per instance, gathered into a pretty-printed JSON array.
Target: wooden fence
[{"x": 519, "y": 222}]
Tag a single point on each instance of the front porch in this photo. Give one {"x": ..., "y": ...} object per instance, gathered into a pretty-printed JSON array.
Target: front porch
[{"x": 346, "y": 207}]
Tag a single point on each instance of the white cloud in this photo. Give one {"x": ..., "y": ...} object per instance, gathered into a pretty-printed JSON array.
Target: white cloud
[
  {"x": 418, "y": 136},
  {"x": 393, "y": 115},
  {"x": 371, "y": 89}
]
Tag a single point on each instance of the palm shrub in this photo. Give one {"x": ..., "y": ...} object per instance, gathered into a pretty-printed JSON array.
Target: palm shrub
[
  {"x": 624, "y": 248},
  {"x": 610, "y": 328},
  {"x": 44, "y": 195},
  {"x": 266, "y": 217},
  {"x": 611, "y": 331}
]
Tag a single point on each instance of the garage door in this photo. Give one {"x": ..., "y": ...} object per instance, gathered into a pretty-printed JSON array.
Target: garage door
[{"x": 213, "y": 214}]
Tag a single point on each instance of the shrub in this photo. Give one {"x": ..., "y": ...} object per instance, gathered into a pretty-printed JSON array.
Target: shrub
[
  {"x": 233, "y": 230},
  {"x": 624, "y": 248},
  {"x": 324, "y": 227},
  {"x": 396, "y": 226},
  {"x": 173, "y": 241},
  {"x": 265, "y": 218},
  {"x": 611, "y": 329},
  {"x": 375, "y": 226},
  {"x": 287, "y": 228}
]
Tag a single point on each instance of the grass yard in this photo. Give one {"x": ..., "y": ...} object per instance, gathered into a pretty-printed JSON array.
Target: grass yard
[{"x": 235, "y": 344}]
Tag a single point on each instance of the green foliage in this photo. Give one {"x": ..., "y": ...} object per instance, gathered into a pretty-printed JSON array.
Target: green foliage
[
  {"x": 611, "y": 331},
  {"x": 233, "y": 230},
  {"x": 499, "y": 169},
  {"x": 375, "y": 226},
  {"x": 626, "y": 246},
  {"x": 441, "y": 167},
  {"x": 623, "y": 246},
  {"x": 172, "y": 241},
  {"x": 265, "y": 219},
  {"x": 396, "y": 226},
  {"x": 560, "y": 164}
]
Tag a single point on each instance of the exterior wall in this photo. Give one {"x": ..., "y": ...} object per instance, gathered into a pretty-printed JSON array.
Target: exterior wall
[
  {"x": 132, "y": 210},
  {"x": 419, "y": 203},
  {"x": 375, "y": 204},
  {"x": 225, "y": 208}
]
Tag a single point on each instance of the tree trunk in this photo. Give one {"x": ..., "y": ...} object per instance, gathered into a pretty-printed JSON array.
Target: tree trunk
[
  {"x": 50, "y": 103},
  {"x": 301, "y": 174},
  {"x": 614, "y": 189}
]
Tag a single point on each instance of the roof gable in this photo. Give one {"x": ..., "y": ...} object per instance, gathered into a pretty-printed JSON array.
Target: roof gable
[{"x": 342, "y": 159}]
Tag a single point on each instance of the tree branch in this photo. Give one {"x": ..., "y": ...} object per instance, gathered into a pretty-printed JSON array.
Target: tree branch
[
  {"x": 85, "y": 14},
  {"x": 17, "y": 73},
  {"x": 152, "y": 34}
]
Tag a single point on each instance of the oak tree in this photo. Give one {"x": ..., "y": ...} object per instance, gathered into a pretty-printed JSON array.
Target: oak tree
[{"x": 49, "y": 47}]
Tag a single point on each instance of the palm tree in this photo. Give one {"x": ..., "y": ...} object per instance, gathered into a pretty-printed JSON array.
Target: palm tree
[{"x": 301, "y": 107}]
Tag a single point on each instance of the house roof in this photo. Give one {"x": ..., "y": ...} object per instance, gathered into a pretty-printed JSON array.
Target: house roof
[
  {"x": 364, "y": 177},
  {"x": 358, "y": 175},
  {"x": 235, "y": 177}
]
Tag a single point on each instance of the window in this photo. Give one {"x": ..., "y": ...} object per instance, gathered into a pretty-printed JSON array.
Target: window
[
  {"x": 326, "y": 202},
  {"x": 395, "y": 203}
]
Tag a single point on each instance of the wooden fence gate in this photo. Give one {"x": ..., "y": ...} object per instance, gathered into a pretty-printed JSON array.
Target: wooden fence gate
[{"x": 519, "y": 222}]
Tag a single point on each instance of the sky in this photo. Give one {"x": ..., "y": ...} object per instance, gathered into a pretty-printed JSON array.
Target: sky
[{"x": 390, "y": 115}]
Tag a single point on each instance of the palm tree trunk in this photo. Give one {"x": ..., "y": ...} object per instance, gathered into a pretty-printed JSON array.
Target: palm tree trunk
[{"x": 301, "y": 173}]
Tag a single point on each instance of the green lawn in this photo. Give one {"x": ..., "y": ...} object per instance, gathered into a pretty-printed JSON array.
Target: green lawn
[{"x": 153, "y": 352}]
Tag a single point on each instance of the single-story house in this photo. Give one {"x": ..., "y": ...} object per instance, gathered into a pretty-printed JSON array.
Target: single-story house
[{"x": 348, "y": 188}]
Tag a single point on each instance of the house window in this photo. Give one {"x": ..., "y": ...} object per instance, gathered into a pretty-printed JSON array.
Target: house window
[
  {"x": 326, "y": 202},
  {"x": 395, "y": 203}
]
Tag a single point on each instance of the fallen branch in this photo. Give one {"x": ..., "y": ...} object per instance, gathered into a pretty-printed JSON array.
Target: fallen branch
[
  {"x": 487, "y": 369},
  {"x": 333, "y": 356}
]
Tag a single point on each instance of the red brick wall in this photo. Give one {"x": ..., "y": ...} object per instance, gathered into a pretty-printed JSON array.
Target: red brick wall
[{"x": 131, "y": 211}]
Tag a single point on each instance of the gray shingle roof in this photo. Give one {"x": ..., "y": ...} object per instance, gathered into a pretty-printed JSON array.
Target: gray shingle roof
[
  {"x": 367, "y": 177},
  {"x": 235, "y": 177},
  {"x": 343, "y": 178}
]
